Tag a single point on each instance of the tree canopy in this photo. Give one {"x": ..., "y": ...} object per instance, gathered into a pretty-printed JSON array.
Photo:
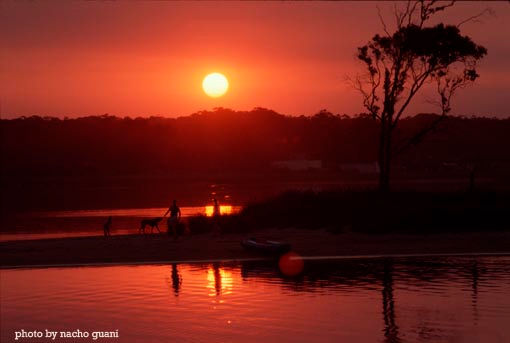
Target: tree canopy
[{"x": 398, "y": 65}]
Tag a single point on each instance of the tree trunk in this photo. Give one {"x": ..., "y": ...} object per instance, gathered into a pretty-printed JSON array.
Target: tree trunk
[
  {"x": 388, "y": 156},
  {"x": 381, "y": 153},
  {"x": 384, "y": 156}
]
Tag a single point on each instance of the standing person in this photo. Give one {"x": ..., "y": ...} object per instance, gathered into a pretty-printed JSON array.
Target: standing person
[
  {"x": 215, "y": 218},
  {"x": 173, "y": 221},
  {"x": 107, "y": 226},
  {"x": 216, "y": 208}
]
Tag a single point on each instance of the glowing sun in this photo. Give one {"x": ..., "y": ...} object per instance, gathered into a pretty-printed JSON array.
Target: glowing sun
[{"x": 215, "y": 85}]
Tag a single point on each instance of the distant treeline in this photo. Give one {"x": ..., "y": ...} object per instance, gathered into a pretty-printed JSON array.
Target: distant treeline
[{"x": 237, "y": 141}]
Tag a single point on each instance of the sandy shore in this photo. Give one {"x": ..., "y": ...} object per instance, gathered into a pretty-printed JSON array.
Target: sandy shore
[{"x": 161, "y": 248}]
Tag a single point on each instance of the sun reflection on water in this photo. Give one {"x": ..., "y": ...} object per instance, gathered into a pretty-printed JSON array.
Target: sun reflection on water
[
  {"x": 219, "y": 281},
  {"x": 224, "y": 209},
  {"x": 355, "y": 300}
]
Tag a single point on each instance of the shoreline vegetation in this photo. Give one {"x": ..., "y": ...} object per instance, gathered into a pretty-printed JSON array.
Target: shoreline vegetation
[
  {"x": 327, "y": 223},
  {"x": 147, "y": 162},
  {"x": 369, "y": 212},
  {"x": 117, "y": 146}
]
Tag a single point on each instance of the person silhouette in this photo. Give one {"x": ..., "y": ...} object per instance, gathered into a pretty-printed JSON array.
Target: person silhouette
[
  {"x": 107, "y": 226},
  {"x": 215, "y": 218},
  {"x": 216, "y": 208},
  {"x": 173, "y": 221}
]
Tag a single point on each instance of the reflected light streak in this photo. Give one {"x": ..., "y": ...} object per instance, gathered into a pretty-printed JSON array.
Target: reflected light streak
[
  {"x": 224, "y": 209},
  {"x": 219, "y": 281}
]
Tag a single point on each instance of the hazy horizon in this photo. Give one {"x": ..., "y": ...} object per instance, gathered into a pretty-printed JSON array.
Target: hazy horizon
[
  {"x": 501, "y": 116},
  {"x": 149, "y": 58}
]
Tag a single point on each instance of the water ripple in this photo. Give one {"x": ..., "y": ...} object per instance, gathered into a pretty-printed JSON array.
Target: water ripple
[{"x": 410, "y": 299}]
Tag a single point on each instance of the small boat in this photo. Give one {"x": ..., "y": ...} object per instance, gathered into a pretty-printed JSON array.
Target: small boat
[{"x": 265, "y": 246}]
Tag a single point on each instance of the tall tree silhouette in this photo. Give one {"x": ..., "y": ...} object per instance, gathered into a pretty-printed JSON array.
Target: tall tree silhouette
[{"x": 399, "y": 64}]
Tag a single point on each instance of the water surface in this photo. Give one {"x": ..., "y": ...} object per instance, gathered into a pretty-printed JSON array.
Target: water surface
[
  {"x": 80, "y": 223},
  {"x": 441, "y": 299}
]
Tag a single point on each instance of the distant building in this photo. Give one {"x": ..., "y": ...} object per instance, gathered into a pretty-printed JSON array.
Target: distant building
[
  {"x": 298, "y": 165},
  {"x": 360, "y": 168}
]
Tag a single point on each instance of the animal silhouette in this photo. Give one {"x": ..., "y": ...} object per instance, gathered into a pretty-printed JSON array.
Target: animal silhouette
[{"x": 152, "y": 222}]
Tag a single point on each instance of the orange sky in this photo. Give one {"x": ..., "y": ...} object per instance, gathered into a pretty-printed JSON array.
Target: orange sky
[{"x": 149, "y": 58}]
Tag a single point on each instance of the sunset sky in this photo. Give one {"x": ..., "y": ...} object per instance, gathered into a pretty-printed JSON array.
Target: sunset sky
[{"x": 149, "y": 58}]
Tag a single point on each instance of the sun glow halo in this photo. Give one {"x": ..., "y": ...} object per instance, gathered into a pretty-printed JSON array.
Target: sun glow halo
[{"x": 215, "y": 85}]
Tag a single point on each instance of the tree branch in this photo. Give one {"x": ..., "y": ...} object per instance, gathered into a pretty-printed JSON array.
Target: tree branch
[
  {"x": 382, "y": 21},
  {"x": 418, "y": 137},
  {"x": 475, "y": 17}
]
